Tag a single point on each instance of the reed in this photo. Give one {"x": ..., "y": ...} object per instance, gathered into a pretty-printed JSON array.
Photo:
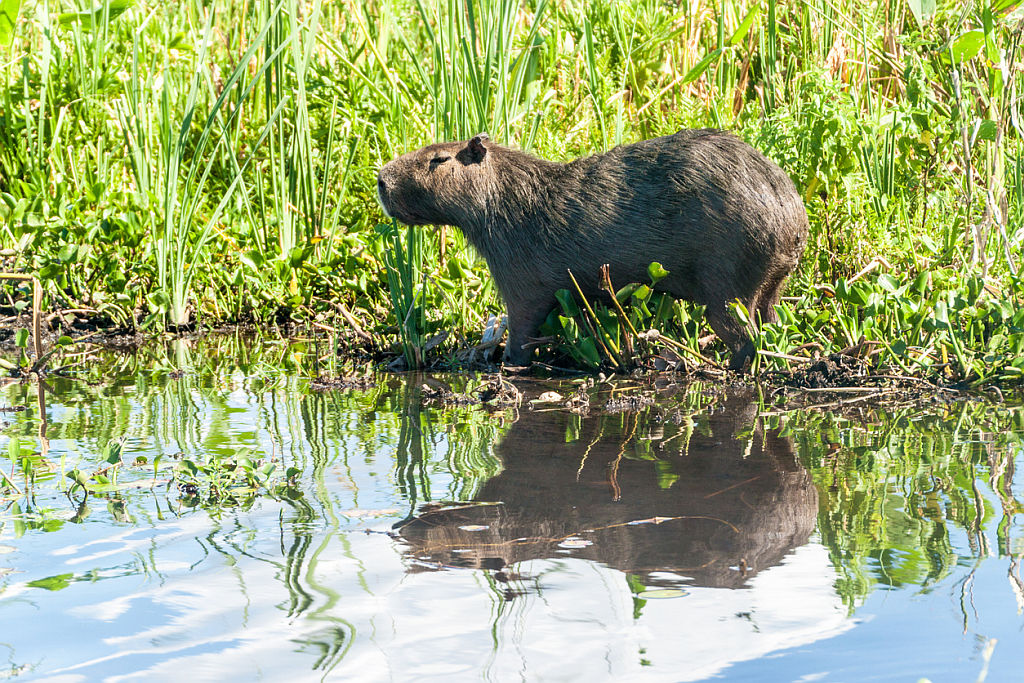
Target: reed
[{"x": 162, "y": 165}]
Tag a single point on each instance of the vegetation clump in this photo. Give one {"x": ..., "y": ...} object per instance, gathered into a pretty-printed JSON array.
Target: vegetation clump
[{"x": 189, "y": 164}]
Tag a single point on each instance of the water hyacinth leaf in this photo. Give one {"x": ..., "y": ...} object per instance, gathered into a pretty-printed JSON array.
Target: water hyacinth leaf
[
  {"x": 91, "y": 18},
  {"x": 8, "y": 20},
  {"x": 567, "y": 303},
  {"x": 79, "y": 477},
  {"x": 188, "y": 467},
  {"x": 623, "y": 294},
  {"x": 888, "y": 283},
  {"x": 656, "y": 272},
  {"x": 113, "y": 452},
  {"x": 967, "y": 45},
  {"x": 588, "y": 350},
  {"x": 52, "y": 583}
]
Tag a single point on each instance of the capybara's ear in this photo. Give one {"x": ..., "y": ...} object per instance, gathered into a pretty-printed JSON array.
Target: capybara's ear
[{"x": 476, "y": 148}]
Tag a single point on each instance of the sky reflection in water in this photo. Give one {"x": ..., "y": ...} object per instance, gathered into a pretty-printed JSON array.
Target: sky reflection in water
[{"x": 471, "y": 543}]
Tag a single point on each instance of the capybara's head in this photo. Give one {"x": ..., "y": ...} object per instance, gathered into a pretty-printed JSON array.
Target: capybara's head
[{"x": 438, "y": 184}]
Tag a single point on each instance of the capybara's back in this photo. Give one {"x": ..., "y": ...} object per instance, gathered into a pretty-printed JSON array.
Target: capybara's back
[{"x": 726, "y": 222}]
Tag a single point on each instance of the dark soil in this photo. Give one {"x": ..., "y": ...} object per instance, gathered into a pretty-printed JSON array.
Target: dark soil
[{"x": 836, "y": 370}]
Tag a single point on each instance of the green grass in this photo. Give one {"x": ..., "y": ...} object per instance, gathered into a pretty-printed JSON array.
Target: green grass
[{"x": 163, "y": 165}]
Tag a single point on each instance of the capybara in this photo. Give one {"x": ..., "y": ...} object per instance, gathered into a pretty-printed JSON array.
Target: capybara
[{"x": 726, "y": 222}]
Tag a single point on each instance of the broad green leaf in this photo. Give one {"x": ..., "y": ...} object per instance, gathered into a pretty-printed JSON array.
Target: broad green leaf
[
  {"x": 888, "y": 283},
  {"x": 985, "y": 130},
  {"x": 568, "y": 304},
  {"x": 113, "y": 452},
  {"x": 588, "y": 348},
  {"x": 91, "y": 18},
  {"x": 8, "y": 20},
  {"x": 967, "y": 45},
  {"x": 623, "y": 294},
  {"x": 643, "y": 292},
  {"x": 656, "y": 272},
  {"x": 52, "y": 583},
  {"x": 79, "y": 477},
  {"x": 922, "y": 10},
  {"x": 21, "y": 338}
]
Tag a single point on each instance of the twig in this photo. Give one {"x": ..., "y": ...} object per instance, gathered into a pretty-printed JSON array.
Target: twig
[
  {"x": 849, "y": 390},
  {"x": 37, "y": 295},
  {"x": 352, "y": 322},
  {"x": 785, "y": 356},
  {"x": 872, "y": 265}
]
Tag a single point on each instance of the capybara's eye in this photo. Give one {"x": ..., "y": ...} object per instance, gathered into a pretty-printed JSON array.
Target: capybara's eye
[{"x": 440, "y": 159}]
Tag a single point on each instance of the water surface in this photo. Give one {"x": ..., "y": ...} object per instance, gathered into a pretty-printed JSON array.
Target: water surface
[{"x": 706, "y": 534}]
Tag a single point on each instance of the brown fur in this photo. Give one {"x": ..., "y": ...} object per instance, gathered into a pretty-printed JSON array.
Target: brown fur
[{"x": 726, "y": 222}]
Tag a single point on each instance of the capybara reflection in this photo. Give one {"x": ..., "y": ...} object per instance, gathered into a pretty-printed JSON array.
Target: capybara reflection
[{"x": 713, "y": 497}]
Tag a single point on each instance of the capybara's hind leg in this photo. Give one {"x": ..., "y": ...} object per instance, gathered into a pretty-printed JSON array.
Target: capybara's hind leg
[{"x": 524, "y": 319}]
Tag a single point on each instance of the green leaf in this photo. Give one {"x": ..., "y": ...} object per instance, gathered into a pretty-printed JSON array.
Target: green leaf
[
  {"x": 92, "y": 18},
  {"x": 923, "y": 10},
  {"x": 567, "y": 303},
  {"x": 642, "y": 293},
  {"x": 656, "y": 272},
  {"x": 985, "y": 130},
  {"x": 748, "y": 21},
  {"x": 52, "y": 583},
  {"x": 588, "y": 349},
  {"x": 701, "y": 66},
  {"x": 8, "y": 20},
  {"x": 21, "y": 338},
  {"x": 888, "y": 283},
  {"x": 188, "y": 467},
  {"x": 113, "y": 452},
  {"x": 253, "y": 259},
  {"x": 739, "y": 312},
  {"x": 623, "y": 294},
  {"x": 967, "y": 45},
  {"x": 79, "y": 477},
  {"x": 14, "y": 448}
]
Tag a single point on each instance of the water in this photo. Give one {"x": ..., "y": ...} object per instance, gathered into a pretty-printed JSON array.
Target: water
[{"x": 705, "y": 535}]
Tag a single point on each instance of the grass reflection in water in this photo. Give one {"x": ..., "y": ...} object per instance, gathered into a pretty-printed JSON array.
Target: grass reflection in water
[{"x": 416, "y": 537}]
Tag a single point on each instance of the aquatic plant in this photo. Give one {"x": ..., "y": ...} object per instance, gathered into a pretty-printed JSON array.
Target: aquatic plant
[{"x": 253, "y": 133}]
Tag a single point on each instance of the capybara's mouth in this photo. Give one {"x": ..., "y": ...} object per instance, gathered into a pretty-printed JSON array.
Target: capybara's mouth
[{"x": 393, "y": 210}]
